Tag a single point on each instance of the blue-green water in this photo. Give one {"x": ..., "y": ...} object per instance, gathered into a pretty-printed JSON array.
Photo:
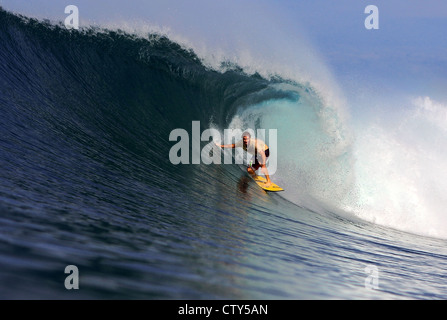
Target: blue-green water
[{"x": 86, "y": 180}]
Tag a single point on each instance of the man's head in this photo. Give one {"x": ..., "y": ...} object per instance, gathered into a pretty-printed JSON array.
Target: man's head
[{"x": 246, "y": 137}]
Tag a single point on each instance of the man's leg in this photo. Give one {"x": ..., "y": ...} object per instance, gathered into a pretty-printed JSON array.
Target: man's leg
[
  {"x": 266, "y": 173},
  {"x": 264, "y": 170},
  {"x": 253, "y": 166},
  {"x": 251, "y": 172}
]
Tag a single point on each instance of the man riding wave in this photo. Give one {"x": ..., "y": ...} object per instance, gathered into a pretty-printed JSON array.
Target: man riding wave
[{"x": 259, "y": 149}]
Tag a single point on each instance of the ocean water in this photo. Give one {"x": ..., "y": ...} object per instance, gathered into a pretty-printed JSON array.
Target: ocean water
[{"x": 86, "y": 179}]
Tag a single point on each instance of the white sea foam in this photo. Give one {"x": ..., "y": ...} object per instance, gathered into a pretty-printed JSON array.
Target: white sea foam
[{"x": 401, "y": 171}]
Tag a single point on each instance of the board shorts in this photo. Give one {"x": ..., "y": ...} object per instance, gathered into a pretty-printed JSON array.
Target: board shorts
[{"x": 257, "y": 165}]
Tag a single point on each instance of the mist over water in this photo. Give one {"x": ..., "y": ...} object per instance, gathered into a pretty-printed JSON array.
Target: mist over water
[{"x": 400, "y": 170}]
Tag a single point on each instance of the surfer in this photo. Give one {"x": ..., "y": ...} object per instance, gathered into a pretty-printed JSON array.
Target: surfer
[{"x": 259, "y": 149}]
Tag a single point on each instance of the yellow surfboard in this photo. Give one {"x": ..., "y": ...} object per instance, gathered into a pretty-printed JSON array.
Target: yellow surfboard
[{"x": 261, "y": 181}]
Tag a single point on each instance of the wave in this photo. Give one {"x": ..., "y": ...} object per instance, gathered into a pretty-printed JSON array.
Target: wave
[
  {"x": 400, "y": 169},
  {"x": 99, "y": 98}
]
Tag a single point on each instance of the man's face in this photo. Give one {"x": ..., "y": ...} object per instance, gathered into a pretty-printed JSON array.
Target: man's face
[{"x": 246, "y": 140}]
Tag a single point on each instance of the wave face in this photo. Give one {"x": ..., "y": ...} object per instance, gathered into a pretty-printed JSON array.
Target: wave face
[
  {"x": 117, "y": 95},
  {"x": 86, "y": 175},
  {"x": 109, "y": 94}
]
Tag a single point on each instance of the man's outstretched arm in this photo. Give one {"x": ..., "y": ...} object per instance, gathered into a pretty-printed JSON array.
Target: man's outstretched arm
[{"x": 227, "y": 145}]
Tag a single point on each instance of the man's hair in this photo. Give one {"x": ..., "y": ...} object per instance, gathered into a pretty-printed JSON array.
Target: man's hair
[{"x": 246, "y": 134}]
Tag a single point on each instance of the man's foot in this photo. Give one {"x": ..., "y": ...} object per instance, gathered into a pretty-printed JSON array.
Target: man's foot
[{"x": 268, "y": 184}]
